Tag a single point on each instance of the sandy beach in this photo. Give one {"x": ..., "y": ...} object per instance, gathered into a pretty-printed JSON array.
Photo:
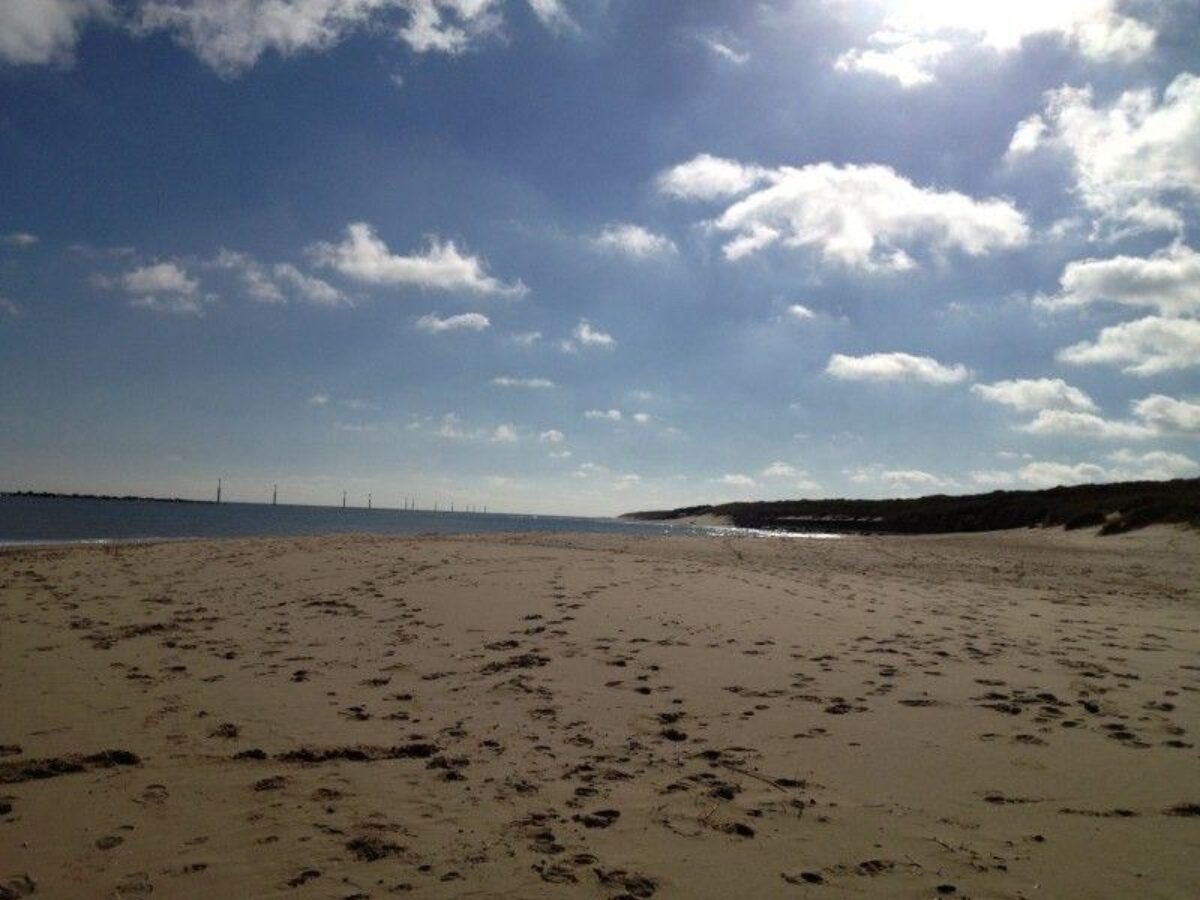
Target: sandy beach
[{"x": 1008, "y": 715}]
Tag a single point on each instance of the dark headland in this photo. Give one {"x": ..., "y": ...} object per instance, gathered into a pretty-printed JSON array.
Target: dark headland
[{"x": 1115, "y": 508}]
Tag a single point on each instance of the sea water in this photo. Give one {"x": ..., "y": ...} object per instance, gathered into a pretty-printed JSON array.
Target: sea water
[{"x": 72, "y": 519}]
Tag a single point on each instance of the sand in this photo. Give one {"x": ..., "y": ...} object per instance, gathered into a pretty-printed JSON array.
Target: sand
[{"x": 1005, "y": 715}]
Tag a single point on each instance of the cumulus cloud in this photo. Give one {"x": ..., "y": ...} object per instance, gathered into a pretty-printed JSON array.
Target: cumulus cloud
[
  {"x": 736, "y": 480},
  {"x": 1053, "y": 474},
  {"x": 505, "y": 434},
  {"x": 20, "y": 239},
  {"x": 232, "y": 35},
  {"x": 164, "y": 287},
  {"x": 462, "y": 322},
  {"x": 319, "y": 399},
  {"x": 1157, "y": 465},
  {"x": 280, "y": 282},
  {"x": 633, "y": 241},
  {"x": 642, "y": 418},
  {"x": 37, "y": 32},
  {"x": 552, "y": 436},
  {"x": 916, "y": 35},
  {"x": 1083, "y": 424},
  {"x": 587, "y": 336},
  {"x": 1128, "y": 157},
  {"x": 898, "y": 480},
  {"x": 361, "y": 255},
  {"x": 532, "y": 383},
  {"x": 608, "y": 415},
  {"x": 553, "y": 14},
  {"x": 894, "y": 367},
  {"x": 799, "y": 313},
  {"x": 908, "y": 60},
  {"x": 1168, "y": 415},
  {"x": 1143, "y": 347},
  {"x": 1030, "y": 394},
  {"x": 856, "y": 216},
  {"x": 780, "y": 470},
  {"x": 707, "y": 177},
  {"x": 1167, "y": 281}
]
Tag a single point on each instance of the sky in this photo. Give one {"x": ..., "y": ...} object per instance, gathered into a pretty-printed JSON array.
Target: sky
[{"x": 591, "y": 256}]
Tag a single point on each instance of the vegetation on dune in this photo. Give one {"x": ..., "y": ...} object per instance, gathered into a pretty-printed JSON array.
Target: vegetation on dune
[{"x": 1113, "y": 507}]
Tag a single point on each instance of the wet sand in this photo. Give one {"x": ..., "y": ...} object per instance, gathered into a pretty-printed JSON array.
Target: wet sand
[{"x": 1006, "y": 715}]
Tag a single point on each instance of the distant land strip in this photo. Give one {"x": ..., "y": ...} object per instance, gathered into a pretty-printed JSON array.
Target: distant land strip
[
  {"x": 129, "y": 497},
  {"x": 1114, "y": 508}
]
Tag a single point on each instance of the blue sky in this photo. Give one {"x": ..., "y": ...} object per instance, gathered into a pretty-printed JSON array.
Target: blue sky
[{"x": 586, "y": 257}]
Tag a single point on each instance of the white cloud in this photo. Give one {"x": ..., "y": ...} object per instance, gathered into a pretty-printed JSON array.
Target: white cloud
[
  {"x": 707, "y": 177},
  {"x": 309, "y": 288},
  {"x": 1052, "y": 474},
  {"x": 166, "y": 277},
  {"x": 915, "y": 35},
  {"x": 800, "y": 313},
  {"x": 993, "y": 478},
  {"x": 736, "y": 480},
  {"x": 448, "y": 26},
  {"x": 524, "y": 338},
  {"x": 780, "y": 470},
  {"x": 855, "y": 216},
  {"x": 231, "y": 35},
  {"x": 319, "y": 399},
  {"x": 451, "y": 427},
  {"x": 642, "y": 418},
  {"x": 722, "y": 49},
  {"x": 913, "y": 478},
  {"x": 1128, "y": 157},
  {"x": 609, "y": 415},
  {"x": 1157, "y": 465},
  {"x": 553, "y": 14},
  {"x": 532, "y": 383},
  {"x": 894, "y": 367},
  {"x": 164, "y": 287},
  {"x": 1168, "y": 415},
  {"x": 1028, "y": 134},
  {"x": 281, "y": 282},
  {"x": 20, "y": 239},
  {"x": 588, "y": 336},
  {"x": 34, "y": 32},
  {"x": 1145, "y": 346},
  {"x": 897, "y": 480},
  {"x": 1167, "y": 281},
  {"x": 633, "y": 241},
  {"x": 364, "y": 257},
  {"x": 908, "y": 61},
  {"x": 552, "y": 436},
  {"x": 354, "y": 427},
  {"x": 8, "y": 307},
  {"x": 462, "y": 322},
  {"x": 505, "y": 434},
  {"x": 1083, "y": 424},
  {"x": 1029, "y": 394}
]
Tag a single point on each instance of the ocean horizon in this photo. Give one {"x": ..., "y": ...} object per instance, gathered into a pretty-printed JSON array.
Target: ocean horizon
[{"x": 56, "y": 519}]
